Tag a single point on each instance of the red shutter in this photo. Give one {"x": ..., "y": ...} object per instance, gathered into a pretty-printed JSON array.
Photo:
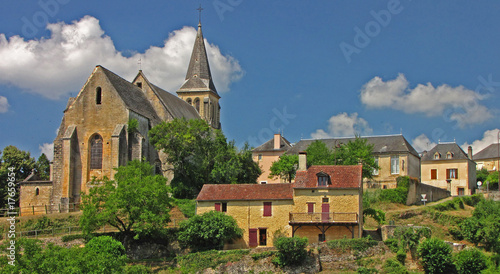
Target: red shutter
[
  {"x": 434, "y": 174},
  {"x": 268, "y": 209},
  {"x": 447, "y": 174},
  {"x": 310, "y": 208},
  {"x": 217, "y": 206},
  {"x": 252, "y": 237}
]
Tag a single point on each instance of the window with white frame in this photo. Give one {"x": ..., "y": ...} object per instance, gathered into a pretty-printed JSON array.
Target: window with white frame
[
  {"x": 394, "y": 164},
  {"x": 375, "y": 171}
]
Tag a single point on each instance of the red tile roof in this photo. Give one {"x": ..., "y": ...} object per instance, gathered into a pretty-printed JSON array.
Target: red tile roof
[
  {"x": 246, "y": 192},
  {"x": 340, "y": 176}
]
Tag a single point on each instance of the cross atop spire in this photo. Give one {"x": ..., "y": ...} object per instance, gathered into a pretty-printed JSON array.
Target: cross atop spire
[{"x": 199, "y": 9}]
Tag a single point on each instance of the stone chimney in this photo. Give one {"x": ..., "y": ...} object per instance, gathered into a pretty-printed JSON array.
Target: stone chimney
[
  {"x": 469, "y": 152},
  {"x": 277, "y": 141},
  {"x": 302, "y": 161}
]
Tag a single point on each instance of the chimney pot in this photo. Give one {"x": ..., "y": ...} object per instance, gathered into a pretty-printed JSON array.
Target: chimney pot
[
  {"x": 469, "y": 152},
  {"x": 302, "y": 161},
  {"x": 277, "y": 141}
]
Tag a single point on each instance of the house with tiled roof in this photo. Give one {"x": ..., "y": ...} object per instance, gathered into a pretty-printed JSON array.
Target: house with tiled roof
[
  {"x": 107, "y": 123},
  {"x": 488, "y": 157},
  {"x": 323, "y": 204},
  {"x": 393, "y": 153},
  {"x": 448, "y": 167},
  {"x": 268, "y": 153}
]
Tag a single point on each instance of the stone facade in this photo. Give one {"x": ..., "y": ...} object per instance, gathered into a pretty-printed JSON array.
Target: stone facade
[{"x": 95, "y": 136}]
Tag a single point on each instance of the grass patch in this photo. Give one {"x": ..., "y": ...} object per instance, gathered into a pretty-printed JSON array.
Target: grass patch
[
  {"x": 359, "y": 244},
  {"x": 262, "y": 255},
  {"x": 186, "y": 206},
  {"x": 199, "y": 261}
]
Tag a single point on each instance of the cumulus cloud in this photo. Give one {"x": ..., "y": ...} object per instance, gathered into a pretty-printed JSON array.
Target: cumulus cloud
[
  {"x": 457, "y": 104},
  {"x": 61, "y": 63},
  {"x": 48, "y": 150},
  {"x": 422, "y": 142},
  {"x": 489, "y": 137},
  {"x": 4, "y": 104},
  {"x": 344, "y": 125}
]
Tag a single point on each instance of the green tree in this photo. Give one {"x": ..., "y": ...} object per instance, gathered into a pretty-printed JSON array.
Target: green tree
[
  {"x": 410, "y": 237},
  {"x": 291, "y": 251},
  {"x": 482, "y": 174},
  {"x": 135, "y": 200},
  {"x": 22, "y": 164},
  {"x": 492, "y": 179},
  {"x": 42, "y": 166},
  {"x": 285, "y": 168},
  {"x": 357, "y": 152},
  {"x": 484, "y": 225},
  {"x": 436, "y": 256},
  {"x": 209, "y": 230},
  {"x": 319, "y": 154},
  {"x": 200, "y": 155},
  {"x": 470, "y": 261}
]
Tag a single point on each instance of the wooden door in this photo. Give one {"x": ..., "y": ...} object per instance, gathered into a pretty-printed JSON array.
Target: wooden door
[
  {"x": 325, "y": 209},
  {"x": 252, "y": 237}
]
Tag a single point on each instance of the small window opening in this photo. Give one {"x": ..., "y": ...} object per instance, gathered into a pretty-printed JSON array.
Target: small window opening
[
  {"x": 139, "y": 84},
  {"x": 98, "y": 95},
  {"x": 325, "y": 200},
  {"x": 224, "y": 207},
  {"x": 37, "y": 191}
]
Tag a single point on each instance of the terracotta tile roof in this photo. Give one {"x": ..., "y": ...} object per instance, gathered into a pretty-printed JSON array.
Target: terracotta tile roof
[
  {"x": 245, "y": 192},
  {"x": 340, "y": 177}
]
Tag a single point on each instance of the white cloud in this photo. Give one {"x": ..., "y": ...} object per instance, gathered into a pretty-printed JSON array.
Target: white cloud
[
  {"x": 422, "y": 142},
  {"x": 343, "y": 125},
  {"x": 457, "y": 104},
  {"x": 489, "y": 137},
  {"x": 4, "y": 104},
  {"x": 61, "y": 63},
  {"x": 48, "y": 150}
]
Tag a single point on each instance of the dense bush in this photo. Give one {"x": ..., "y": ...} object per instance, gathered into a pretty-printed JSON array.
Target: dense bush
[
  {"x": 392, "y": 266},
  {"x": 392, "y": 244},
  {"x": 472, "y": 200},
  {"x": 208, "y": 231},
  {"x": 470, "y": 261},
  {"x": 186, "y": 206},
  {"x": 262, "y": 255},
  {"x": 396, "y": 195},
  {"x": 484, "y": 225},
  {"x": 436, "y": 256},
  {"x": 454, "y": 204},
  {"x": 409, "y": 237},
  {"x": 358, "y": 244},
  {"x": 71, "y": 237},
  {"x": 364, "y": 270},
  {"x": 401, "y": 256},
  {"x": 291, "y": 251},
  {"x": 196, "y": 262}
]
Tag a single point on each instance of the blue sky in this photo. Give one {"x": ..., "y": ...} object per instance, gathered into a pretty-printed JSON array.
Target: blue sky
[{"x": 428, "y": 69}]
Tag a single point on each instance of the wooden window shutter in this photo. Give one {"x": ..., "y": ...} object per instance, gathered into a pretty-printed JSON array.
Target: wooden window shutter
[
  {"x": 310, "y": 208},
  {"x": 434, "y": 174},
  {"x": 268, "y": 209},
  {"x": 217, "y": 206}
]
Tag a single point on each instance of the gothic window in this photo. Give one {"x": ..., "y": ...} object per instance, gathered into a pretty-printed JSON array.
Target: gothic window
[
  {"x": 37, "y": 191},
  {"x": 189, "y": 101},
  {"x": 96, "y": 152},
  {"x": 98, "y": 95},
  {"x": 197, "y": 104}
]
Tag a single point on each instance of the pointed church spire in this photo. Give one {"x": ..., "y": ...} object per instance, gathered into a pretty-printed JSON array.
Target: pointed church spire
[{"x": 198, "y": 76}]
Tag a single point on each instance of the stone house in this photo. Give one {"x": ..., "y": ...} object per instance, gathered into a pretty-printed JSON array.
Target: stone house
[
  {"x": 393, "y": 153},
  {"x": 323, "y": 204},
  {"x": 488, "y": 157},
  {"x": 107, "y": 123},
  {"x": 268, "y": 153},
  {"x": 448, "y": 167}
]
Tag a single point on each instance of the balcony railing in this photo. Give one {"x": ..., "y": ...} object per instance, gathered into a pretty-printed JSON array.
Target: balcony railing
[{"x": 328, "y": 217}]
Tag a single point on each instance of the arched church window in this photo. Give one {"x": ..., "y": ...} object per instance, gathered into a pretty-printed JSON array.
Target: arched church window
[
  {"x": 189, "y": 101},
  {"x": 197, "y": 104},
  {"x": 98, "y": 95},
  {"x": 96, "y": 152},
  {"x": 37, "y": 191}
]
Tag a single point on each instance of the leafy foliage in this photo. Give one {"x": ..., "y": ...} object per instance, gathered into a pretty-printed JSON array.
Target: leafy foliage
[
  {"x": 209, "y": 230},
  {"x": 136, "y": 200},
  {"x": 261, "y": 255},
  {"x": 392, "y": 266},
  {"x": 133, "y": 125},
  {"x": 291, "y": 251},
  {"x": 285, "y": 168},
  {"x": 197, "y": 262},
  {"x": 484, "y": 225},
  {"x": 357, "y": 152},
  {"x": 409, "y": 237},
  {"x": 100, "y": 255},
  {"x": 42, "y": 167},
  {"x": 436, "y": 256},
  {"x": 492, "y": 180},
  {"x": 377, "y": 214},
  {"x": 186, "y": 206},
  {"x": 470, "y": 261},
  {"x": 201, "y": 155},
  {"x": 319, "y": 154},
  {"x": 482, "y": 174},
  {"x": 22, "y": 164}
]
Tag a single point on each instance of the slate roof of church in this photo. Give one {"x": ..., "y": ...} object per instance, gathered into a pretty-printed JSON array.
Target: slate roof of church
[
  {"x": 175, "y": 105},
  {"x": 269, "y": 145},
  {"x": 131, "y": 95},
  {"x": 198, "y": 76},
  {"x": 490, "y": 152},
  {"x": 381, "y": 144},
  {"x": 341, "y": 177},
  {"x": 443, "y": 149},
  {"x": 231, "y": 192}
]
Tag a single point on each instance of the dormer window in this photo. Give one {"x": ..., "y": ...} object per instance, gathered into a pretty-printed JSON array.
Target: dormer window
[
  {"x": 323, "y": 179},
  {"x": 449, "y": 155},
  {"x": 437, "y": 156}
]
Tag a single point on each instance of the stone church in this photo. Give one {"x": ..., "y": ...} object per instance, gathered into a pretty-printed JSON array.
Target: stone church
[{"x": 94, "y": 136}]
